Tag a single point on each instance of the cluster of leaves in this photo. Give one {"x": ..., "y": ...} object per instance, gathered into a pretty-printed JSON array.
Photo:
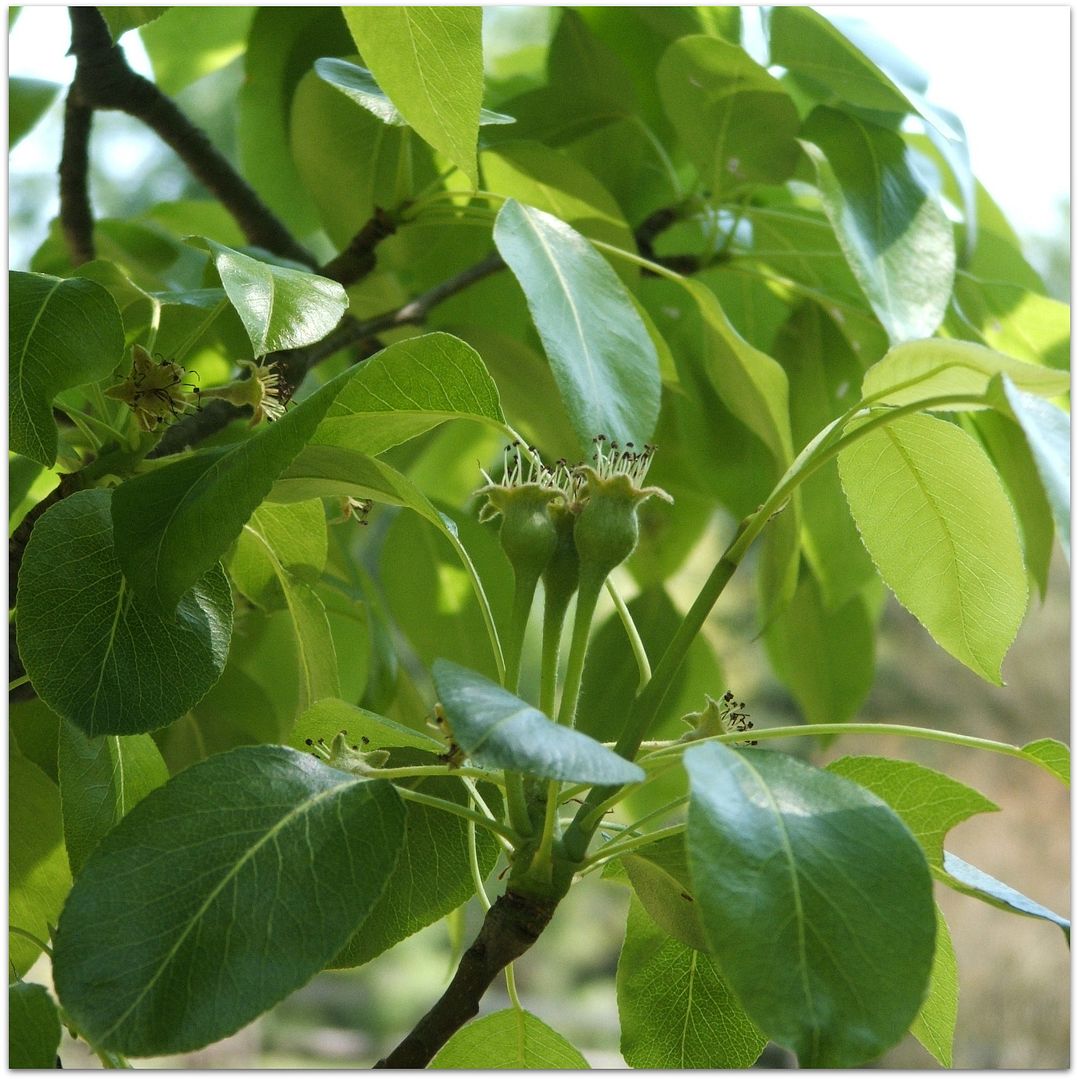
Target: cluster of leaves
[{"x": 786, "y": 274}]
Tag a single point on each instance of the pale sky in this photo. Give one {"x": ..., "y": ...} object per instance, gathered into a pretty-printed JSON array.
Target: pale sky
[{"x": 1005, "y": 70}]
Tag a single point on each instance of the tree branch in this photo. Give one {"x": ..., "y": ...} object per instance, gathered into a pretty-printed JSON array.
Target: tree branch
[
  {"x": 76, "y": 215},
  {"x": 103, "y": 80},
  {"x": 357, "y": 260},
  {"x": 509, "y": 930}
]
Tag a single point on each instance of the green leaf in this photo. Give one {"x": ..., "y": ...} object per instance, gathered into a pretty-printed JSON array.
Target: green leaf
[
  {"x": 971, "y": 881},
  {"x": 194, "y": 41},
  {"x": 33, "y": 1027},
  {"x": 429, "y": 62},
  {"x": 676, "y": 1009},
  {"x": 121, "y": 19},
  {"x": 149, "y": 931},
  {"x": 891, "y": 229},
  {"x": 824, "y": 655},
  {"x": 280, "y": 308},
  {"x": 736, "y": 122},
  {"x": 28, "y": 101},
  {"x": 939, "y": 527},
  {"x": 774, "y": 846},
  {"x": 923, "y": 369},
  {"x": 61, "y": 334},
  {"x": 35, "y": 728},
  {"x": 100, "y": 781},
  {"x": 278, "y": 538},
  {"x": 659, "y": 874},
  {"x": 281, "y": 47},
  {"x": 934, "y": 1026},
  {"x": 358, "y": 85},
  {"x": 602, "y": 356},
  {"x": 432, "y": 876},
  {"x": 38, "y": 875},
  {"x": 1007, "y": 448},
  {"x": 1052, "y": 756},
  {"x": 809, "y": 46},
  {"x": 407, "y": 389},
  {"x": 751, "y": 384},
  {"x": 510, "y": 1039},
  {"x": 328, "y": 717},
  {"x": 498, "y": 730},
  {"x": 95, "y": 653},
  {"x": 929, "y": 802},
  {"x": 1048, "y": 431}
]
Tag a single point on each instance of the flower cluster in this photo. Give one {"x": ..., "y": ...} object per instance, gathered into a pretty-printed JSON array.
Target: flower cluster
[{"x": 723, "y": 717}]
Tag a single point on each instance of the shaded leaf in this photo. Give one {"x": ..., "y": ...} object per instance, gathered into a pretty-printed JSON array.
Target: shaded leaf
[
  {"x": 1052, "y": 756},
  {"x": 429, "y": 62},
  {"x": 38, "y": 874},
  {"x": 659, "y": 874},
  {"x": 326, "y": 718},
  {"x": 938, "y": 525},
  {"x": 121, "y": 19},
  {"x": 602, "y": 356},
  {"x": 510, "y": 1039},
  {"x": 100, "y": 781},
  {"x": 96, "y": 654},
  {"x": 774, "y": 846},
  {"x": 28, "y": 101},
  {"x": 61, "y": 334},
  {"x": 33, "y": 1027},
  {"x": 892, "y": 231},
  {"x": 675, "y": 1008},
  {"x": 194, "y": 41},
  {"x": 150, "y": 928},
  {"x": 498, "y": 730},
  {"x": 281, "y": 308},
  {"x": 934, "y": 1026}
]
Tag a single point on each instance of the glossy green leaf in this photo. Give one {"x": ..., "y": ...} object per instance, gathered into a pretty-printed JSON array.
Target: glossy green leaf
[
  {"x": 934, "y": 1026},
  {"x": 537, "y": 176},
  {"x": 971, "y": 881},
  {"x": 659, "y": 874},
  {"x": 28, "y": 101},
  {"x": 736, "y": 122},
  {"x": 149, "y": 930},
  {"x": 38, "y": 875},
  {"x": 510, "y": 1039},
  {"x": 603, "y": 359},
  {"x": 408, "y": 388},
  {"x": 194, "y": 41},
  {"x": 929, "y": 802},
  {"x": 61, "y": 334},
  {"x": 675, "y": 1008},
  {"x": 821, "y": 56},
  {"x": 429, "y": 62},
  {"x": 432, "y": 876},
  {"x": 923, "y": 369},
  {"x": 891, "y": 228},
  {"x": 939, "y": 527},
  {"x": 95, "y": 653},
  {"x": 329, "y": 716},
  {"x": 751, "y": 384},
  {"x": 359, "y": 85},
  {"x": 1015, "y": 320},
  {"x": 289, "y": 538},
  {"x": 1051, "y": 755},
  {"x": 121, "y": 19},
  {"x": 774, "y": 846},
  {"x": 281, "y": 47},
  {"x": 33, "y": 1027},
  {"x": 498, "y": 730},
  {"x": 281, "y": 308},
  {"x": 824, "y": 655},
  {"x": 1048, "y": 432},
  {"x": 100, "y": 781},
  {"x": 1007, "y": 448}
]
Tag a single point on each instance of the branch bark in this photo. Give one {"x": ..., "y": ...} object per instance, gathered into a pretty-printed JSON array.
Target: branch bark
[
  {"x": 103, "y": 80},
  {"x": 76, "y": 214},
  {"x": 509, "y": 930}
]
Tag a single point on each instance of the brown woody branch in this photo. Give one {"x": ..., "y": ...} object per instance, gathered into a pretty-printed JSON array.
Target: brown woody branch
[
  {"x": 103, "y": 80},
  {"x": 76, "y": 215},
  {"x": 509, "y": 929}
]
